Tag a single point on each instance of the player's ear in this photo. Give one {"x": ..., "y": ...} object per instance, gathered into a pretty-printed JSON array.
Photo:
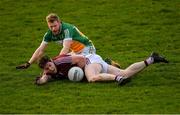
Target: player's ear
[
  {"x": 59, "y": 21},
  {"x": 43, "y": 61}
]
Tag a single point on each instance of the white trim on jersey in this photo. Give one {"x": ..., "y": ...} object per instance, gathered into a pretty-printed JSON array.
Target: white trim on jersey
[
  {"x": 66, "y": 34},
  {"x": 44, "y": 42},
  {"x": 67, "y": 39},
  {"x": 45, "y": 34},
  {"x": 44, "y": 37}
]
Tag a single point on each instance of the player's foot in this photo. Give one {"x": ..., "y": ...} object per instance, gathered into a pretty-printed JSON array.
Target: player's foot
[
  {"x": 111, "y": 62},
  {"x": 122, "y": 80},
  {"x": 158, "y": 58}
]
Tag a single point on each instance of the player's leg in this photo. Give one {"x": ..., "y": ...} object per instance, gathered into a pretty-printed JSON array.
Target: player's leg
[
  {"x": 91, "y": 70},
  {"x": 92, "y": 50},
  {"x": 97, "y": 69},
  {"x": 133, "y": 69},
  {"x": 93, "y": 73},
  {"x": 123, "y": 76},
  {"x": 138, "y": 66},
  {"x": 119, "y": 74}
]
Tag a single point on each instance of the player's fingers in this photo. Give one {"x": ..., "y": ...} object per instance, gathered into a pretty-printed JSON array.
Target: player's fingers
[
  {"x": 23, "y": 66},
  {"x": 20, "y": 67}
]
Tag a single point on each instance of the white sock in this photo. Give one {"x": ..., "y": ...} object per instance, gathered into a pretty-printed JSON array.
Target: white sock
[
  {"x": 150, "y": 60},
  {"x": 117, "y": 78}
]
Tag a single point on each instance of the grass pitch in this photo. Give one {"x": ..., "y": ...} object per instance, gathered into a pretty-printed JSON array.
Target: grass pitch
[{"x": 124, "y": 30}]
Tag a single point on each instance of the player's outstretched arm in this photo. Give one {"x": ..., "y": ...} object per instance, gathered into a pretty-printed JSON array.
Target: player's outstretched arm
[
  {"x": 66, "y": 47},
  {"x": 23, "y": 66},
  {"x": 79, "y": 60},
  {"x": 42, "y": 80},
  {"x": 37, "y": 54}
]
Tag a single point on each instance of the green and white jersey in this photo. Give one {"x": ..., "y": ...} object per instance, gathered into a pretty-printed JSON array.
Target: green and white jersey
[{"x": 69, "y": 32}]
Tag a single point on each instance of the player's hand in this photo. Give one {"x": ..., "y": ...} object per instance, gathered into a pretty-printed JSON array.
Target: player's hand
[
  {"x": 23, "y": 66},
  {"x": 37, "y": 80}
]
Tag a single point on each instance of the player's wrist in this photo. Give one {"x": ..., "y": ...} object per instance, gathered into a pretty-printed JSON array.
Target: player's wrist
[{"x": 28, "y": 64}]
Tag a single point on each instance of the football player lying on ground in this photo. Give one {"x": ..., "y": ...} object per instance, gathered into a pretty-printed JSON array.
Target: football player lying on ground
[{"x": 95, "y": 68}]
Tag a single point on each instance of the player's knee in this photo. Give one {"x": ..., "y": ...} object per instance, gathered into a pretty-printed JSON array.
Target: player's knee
[
  {"x": 92, "y": 79},
  {"x": 126, "y": 73}
]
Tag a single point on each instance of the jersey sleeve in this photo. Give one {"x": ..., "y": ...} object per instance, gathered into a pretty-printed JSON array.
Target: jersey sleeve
[{"x": 47, "y": 37}]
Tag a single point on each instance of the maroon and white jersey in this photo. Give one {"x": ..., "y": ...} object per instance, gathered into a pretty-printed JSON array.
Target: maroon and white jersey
[{"x": 63, "y": 63}]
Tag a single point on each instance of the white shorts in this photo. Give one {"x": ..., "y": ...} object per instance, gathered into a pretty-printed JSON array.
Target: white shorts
[
  {"x": 88, "y": 50},
  {"x": 94, "y": 58}
]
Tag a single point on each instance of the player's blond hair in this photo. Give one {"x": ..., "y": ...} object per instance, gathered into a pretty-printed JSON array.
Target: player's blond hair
[{"x": 52, "y": 17}]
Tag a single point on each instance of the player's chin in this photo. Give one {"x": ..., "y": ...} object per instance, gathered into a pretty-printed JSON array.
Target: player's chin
[
  {"x": 55, "y": 32},
  {"x": 53, "y": 72}
]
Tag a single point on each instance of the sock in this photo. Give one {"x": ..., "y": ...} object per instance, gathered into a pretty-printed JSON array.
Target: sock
[
  {"x": 149, "y": 61},
  {"x": 117, "y": 78}
]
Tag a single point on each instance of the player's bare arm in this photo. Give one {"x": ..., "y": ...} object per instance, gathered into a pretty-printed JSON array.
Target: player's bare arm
[
  {"x": 66, "y": 47},
  {"x": 79, "y": 60},
  {"x": 37, "y": 54},
  {"x": 44, "y": 79}
]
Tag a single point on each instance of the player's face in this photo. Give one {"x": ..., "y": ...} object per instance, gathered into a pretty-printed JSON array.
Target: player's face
[
  {"x": 54, "y": 27},
  {"x": 50, "y": 68}
]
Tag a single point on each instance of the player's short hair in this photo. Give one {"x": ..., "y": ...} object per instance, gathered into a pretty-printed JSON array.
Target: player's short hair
[
  {"x": 43, "y": 61},
  {"x": 52, "y": 17}
]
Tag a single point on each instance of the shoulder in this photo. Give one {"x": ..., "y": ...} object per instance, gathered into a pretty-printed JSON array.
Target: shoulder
[
  {"x": 68, "y": 29},
  {"x": 62, "y": 59},
  {"x": 66, "y": 26},
  {"x": 61, "y": 56},
  {"x": 47, "y": 36}
]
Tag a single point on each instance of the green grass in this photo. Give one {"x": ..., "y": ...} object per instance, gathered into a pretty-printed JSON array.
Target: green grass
[{"x": 125, "y": 30}]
